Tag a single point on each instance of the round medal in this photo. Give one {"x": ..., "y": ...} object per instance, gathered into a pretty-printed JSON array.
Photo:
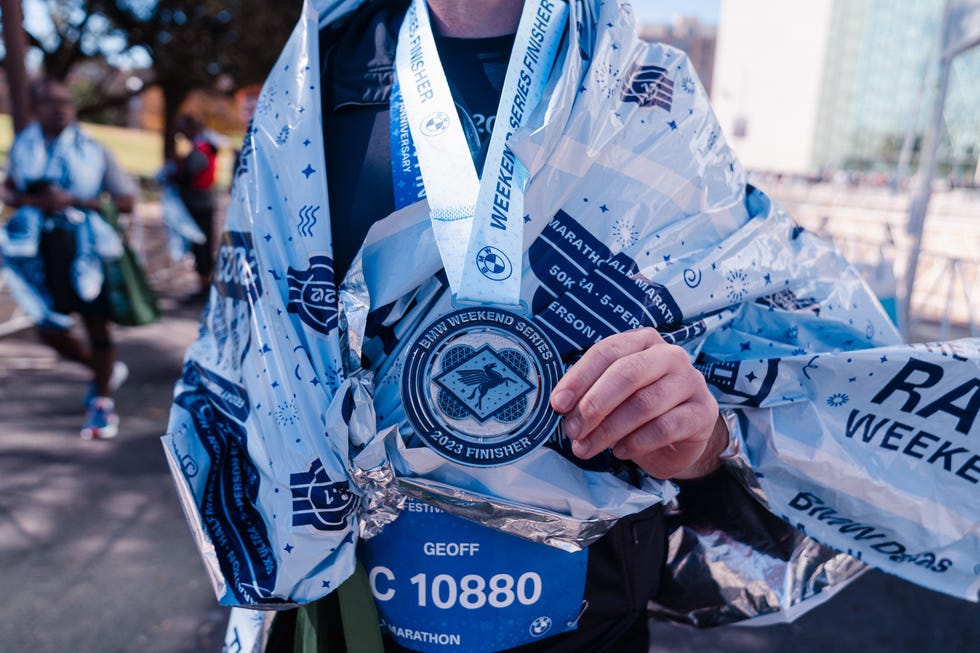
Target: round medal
[{"x": 476, "y": 386}]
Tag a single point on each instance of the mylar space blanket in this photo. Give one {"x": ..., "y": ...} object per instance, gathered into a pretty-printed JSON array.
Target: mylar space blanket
[{"x": 286, "y": 451}]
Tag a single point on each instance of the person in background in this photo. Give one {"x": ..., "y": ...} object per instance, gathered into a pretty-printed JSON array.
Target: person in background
[
  {"x": 60, "y": 175},
  {"x": 194, "y": 176}
]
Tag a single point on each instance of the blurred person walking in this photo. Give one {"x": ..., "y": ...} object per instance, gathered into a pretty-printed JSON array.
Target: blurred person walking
[
  {"x": 194, "y": 176},
  {"x": 58, "y": 240}
]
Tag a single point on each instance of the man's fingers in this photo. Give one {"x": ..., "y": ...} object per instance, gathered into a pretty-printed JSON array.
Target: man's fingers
[
  {"x": 639, "y": 375},
  {"x": 645, "y": 405},
  {"x": 688, "y": 424},
  {"x": 641, "y": 397},
  {"x": 672, "y": 460},
  {"x": 666, "y": 445},
  {"x": 587, "y": 371}
]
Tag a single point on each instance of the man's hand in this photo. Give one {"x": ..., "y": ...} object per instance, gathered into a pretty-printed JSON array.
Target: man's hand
[
  {"x": 641, "y": 397},
  {"x": 54, "y": 199}
]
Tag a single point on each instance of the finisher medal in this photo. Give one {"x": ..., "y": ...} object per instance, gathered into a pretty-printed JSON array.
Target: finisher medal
[{"x": 476, "y": 386}]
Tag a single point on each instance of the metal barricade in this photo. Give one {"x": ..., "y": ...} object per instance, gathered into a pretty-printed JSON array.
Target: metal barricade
[{"x": 944, "y": 295}]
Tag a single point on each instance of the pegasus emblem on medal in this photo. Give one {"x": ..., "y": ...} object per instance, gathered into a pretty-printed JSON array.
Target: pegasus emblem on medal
[{"x": 486, "y": 379}]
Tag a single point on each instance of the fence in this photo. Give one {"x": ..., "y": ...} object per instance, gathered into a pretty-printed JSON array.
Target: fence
[{"x": 868, "y": 226}]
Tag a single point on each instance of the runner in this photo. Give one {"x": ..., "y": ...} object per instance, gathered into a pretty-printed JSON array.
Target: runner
[{"x": 56, "y": 241}]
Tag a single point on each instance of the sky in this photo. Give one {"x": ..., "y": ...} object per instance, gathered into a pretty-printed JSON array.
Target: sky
[{"x": 661, "y": 11}]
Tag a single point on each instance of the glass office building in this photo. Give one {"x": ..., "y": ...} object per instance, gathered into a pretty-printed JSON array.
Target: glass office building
[{"x": 872, "y": 71}]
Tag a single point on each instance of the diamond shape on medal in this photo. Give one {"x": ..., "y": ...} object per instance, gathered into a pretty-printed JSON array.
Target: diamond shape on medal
[{"x": 488, "y": 383}]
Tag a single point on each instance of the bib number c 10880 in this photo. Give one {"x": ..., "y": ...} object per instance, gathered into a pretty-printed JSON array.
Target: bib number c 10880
[
  {"x": 472, "y": 591},
  {"x": 480, "y": 590}
]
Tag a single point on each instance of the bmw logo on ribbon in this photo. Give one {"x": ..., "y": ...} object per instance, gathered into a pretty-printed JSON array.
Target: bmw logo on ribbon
[
  {"x": 493, "y": 264},
  {"x": 477, "y": 384},
  {"x": 435, "y": 123}
]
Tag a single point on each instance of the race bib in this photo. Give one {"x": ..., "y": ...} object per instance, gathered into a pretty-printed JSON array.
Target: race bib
[{"x": 443, "y": 583}]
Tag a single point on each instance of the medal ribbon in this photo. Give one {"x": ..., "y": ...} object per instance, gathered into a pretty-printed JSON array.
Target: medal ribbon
[{"x": 477, "y": 221}]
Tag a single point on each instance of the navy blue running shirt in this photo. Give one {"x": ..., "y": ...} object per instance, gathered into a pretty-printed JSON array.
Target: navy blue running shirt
[{"x": 356, "y": 130}]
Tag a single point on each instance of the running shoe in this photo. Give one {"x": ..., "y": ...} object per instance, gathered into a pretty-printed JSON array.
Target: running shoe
[
  {"x": 120, "y": 372},
  {"x": 101, "y": 422}
]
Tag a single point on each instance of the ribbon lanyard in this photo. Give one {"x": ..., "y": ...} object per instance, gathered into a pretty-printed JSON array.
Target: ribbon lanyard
[{"x": 478, "y": 225}]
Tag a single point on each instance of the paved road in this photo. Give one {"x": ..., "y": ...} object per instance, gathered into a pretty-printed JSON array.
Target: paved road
[{"x": 95, "y": 556}]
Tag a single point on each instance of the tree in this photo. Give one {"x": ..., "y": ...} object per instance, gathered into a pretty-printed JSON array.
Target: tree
[
  {"x": 75, "y": 34},
  {"x": 194, "y": 44},
  {"x": 14, "y": 50}
]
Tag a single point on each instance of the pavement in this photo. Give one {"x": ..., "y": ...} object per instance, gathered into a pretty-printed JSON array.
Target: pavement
[{"x": 95, "y": 555}]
